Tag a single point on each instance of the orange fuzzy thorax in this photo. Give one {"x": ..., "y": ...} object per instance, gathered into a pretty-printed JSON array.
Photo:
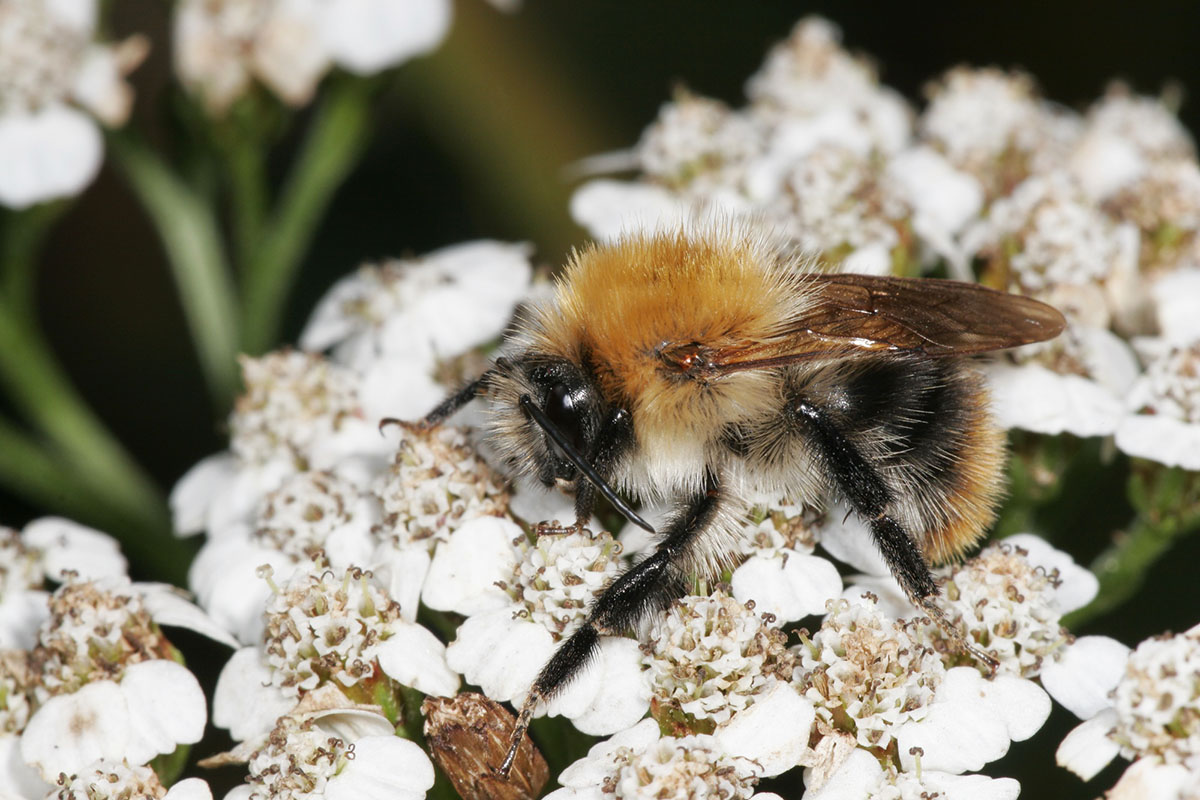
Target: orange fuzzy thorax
[{"x": 619, "y": 304}]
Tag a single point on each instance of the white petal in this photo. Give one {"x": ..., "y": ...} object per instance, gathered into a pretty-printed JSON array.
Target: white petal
[
  {"x": 609, "y": 209},
  {"x": 189, "y": 789},
  {"x": 1104, "y": 162},
  {"x": 288, "y": 53},
  {"x": 21, "y": 614},
  {"x": 72, "y": 730},
  {"x": 591, "y": 770},
  {"x": 403, "y": 573},
  {"x": 366, "y": 36},
  {"x": 52, "y": 153},
  {"x": 889, "y": 598},
  {"x": 773, "y": 732},
  {"x": 969, "y": 787},
  {"x": 872, "y": 259},
  {"x": 498, "y": 654},
  {"x": 194, "y": 492},
  {"x": 790, "y": 585},
  {"x": 944, "y": 198},
  {"x": 1084, "y": 673},
  {"x": 100, "y": 86},
  {"x": 244, "y": 701},
  {"x": 848, "y": 539},
  {"x": 1177, "y": 304},
  {"x": 15, "y": 775},
  {"x": 224, "y": 576},
  {"x": 1033, "y": 398},
  {"x": 1150, "y": 778},
  {"x": 167, "y": 708},
  {"x": 383, "y": 768},
  {"x": 1020, "y": 704},
  {"x": 856, "y": 779},
  {"x": 349, "y": 725},
  {"x": 79, "y": 15},
  {"x": 610, "y": 694},
  {"x": 1168, "y": 441},
  {"x": 961, "y": 732},
  {"x": 67, "y": 545},
  {"x": 1078, "y": 585},
  {"x": 1088, "y": 748},
  {"x": 400, "y": 388},
  {"x": 167, "y": 607},
  {"x": 412, "y": 656},
  {"x": 535, "y": 503},
  {"x": 463, "y": 575}
]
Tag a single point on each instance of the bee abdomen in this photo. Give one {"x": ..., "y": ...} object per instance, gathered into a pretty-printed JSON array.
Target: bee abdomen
[{"x": 920, "y": 442}]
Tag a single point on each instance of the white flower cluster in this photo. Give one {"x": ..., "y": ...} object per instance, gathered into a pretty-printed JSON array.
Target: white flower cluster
[
  {"x": 52, "y": 70},
  {"x": 221, "y": 46},
  {"x": 1153, "y": 719},
  {"x": 85, "y": 670},
  {"x": 1095, "y": 213},
  {"x": 712, "y": 657}
]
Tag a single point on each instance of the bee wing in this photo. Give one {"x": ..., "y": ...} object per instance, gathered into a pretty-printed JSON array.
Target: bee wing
[{"x": 851, "y": 315}]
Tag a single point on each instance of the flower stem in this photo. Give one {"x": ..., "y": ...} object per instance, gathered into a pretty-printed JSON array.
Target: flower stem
[
  {"x": 330, "y": 151},
  {"x": 192, "y": 240}
]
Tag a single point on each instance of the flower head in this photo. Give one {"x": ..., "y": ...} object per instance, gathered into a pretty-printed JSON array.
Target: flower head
[
  {"x": 1164, "y": 420},
  {"x": 50, "y": 66},
  {"x": 710, "y": 658},
  {"x": 221, "y": 46}
]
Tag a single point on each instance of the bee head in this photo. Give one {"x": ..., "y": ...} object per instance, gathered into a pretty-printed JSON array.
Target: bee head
[{"x": 546, "y": 415}]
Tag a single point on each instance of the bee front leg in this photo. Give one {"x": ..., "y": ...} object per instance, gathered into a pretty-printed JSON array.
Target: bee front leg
[
  {"x": 870, "y": 498},
  {"x": 647, "y": 587}
]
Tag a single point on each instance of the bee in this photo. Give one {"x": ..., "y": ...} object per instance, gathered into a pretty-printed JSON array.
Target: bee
[{"x": 703, "y": 366}]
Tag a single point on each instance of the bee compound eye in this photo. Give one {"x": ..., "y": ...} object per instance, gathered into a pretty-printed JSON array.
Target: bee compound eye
[{"x": 564, "y": 408}]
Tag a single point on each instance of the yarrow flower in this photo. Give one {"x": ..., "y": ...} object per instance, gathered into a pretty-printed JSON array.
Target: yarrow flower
[
  {"x": 780, "y": 575},
  {"x": 710, "y": 658},
  {"x": 52, "y": 70},
  {"x": 335, "y": 752},
  {"x": 299, "y": 412},
  {"x": 96, "y": 682},
  {"x": 1163, "y": 419},
  {"x": 118, "y": 780},
  {"x": 639, "y": 762},
  {"x": 326, "y": 627},
  {"x": 313, "y": 516},
  {"x": 221, "y": 46},
  {"x": 1153, "y": 720},
  {"x": 522, "y": 600},
  {"x": 434, "y": 486}
]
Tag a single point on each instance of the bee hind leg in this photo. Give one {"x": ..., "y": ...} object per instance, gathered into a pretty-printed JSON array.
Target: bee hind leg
[
  {"x": 648, "y": 586},
  {"x": 863, "y": 486}
]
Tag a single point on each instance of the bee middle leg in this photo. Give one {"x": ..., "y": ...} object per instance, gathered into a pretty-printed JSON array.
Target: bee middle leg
[
  {"x": 864, "y": 488},
  {"x": 646, "y": 587}
]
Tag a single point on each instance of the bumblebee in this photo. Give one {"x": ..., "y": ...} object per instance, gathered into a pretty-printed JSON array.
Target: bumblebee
[{"x": 702, "y": 366}]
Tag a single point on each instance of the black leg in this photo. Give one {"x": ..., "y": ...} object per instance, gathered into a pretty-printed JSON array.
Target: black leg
[
  {"x": 646, "y": 587},
  {"x": 870, "y": 497},
  {"x": 444, "y": 409}
]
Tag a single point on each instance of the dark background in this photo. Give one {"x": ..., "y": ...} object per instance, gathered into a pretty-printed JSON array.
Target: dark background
[{"x": 474, "y": 140}]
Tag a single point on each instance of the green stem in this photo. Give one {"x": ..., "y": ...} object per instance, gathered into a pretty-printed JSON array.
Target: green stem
[
  {"x": 246, "y": 162},
  {"x": 23, "y": 234},
  {"x": 45, "y": 395},
  {"x": 192, "y": 240},
  {"x": 28, "y": 469},
  {"x": 330, "y": 151}
]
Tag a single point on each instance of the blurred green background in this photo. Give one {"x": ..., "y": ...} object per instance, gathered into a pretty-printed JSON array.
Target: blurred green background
[{"x": 477, "y": 140}]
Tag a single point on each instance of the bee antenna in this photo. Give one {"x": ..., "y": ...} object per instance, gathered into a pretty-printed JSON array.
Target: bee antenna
[{"x": 574, "y": 456}]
